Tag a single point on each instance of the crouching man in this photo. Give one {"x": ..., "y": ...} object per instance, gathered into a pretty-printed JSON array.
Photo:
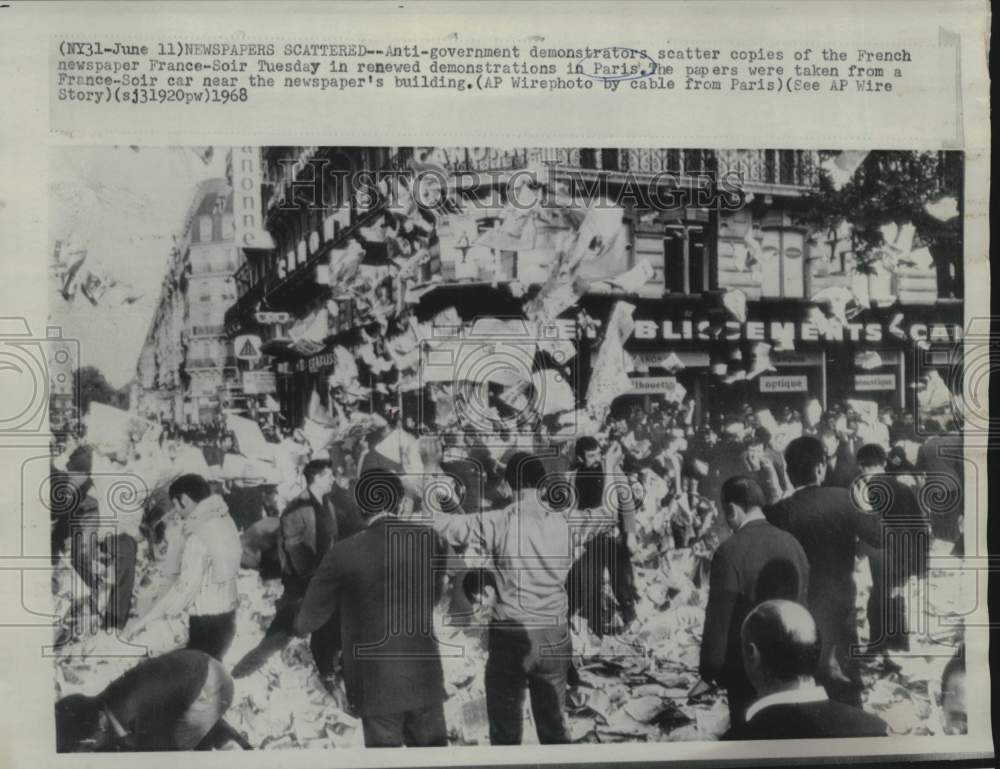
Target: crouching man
[{"x": 172, "y": 702}]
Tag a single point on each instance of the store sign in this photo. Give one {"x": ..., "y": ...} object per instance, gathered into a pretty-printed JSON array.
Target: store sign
[
  {"x": 789, "y": 383},
  {"x": 870, "y": 382},
  {"x": 259, "y": 382},
  {"x": 272, "y": 318},
  {"x": 245, "y": 177},
  {"x": 247, "y": 347},
  {"x": 787, "y": 333},
  {"x": 653, "y": 384},
  {"x": 320, "y": 362}
]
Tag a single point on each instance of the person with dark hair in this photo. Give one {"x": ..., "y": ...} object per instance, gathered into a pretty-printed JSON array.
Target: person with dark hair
[
  {"x": 841, "y": 469},
  {"x": 763, "y": 436},
  {"x": 210, "y": 564},
  {"x": 828, "y": 525},
  {"x": 531, "y": 543},
  {"x": 172, "y": 702},
  {"x": 905, "y": 552},
  {"x": 480, "y": 588},
  {"x": 941, "y": 457},
  {"x": 608, "y": 552},
  {"x": 758, "y": 465},
  {"x": 260, "y": 541},
  {"x": 953, "y": 708},
  {"x": 385, "y": 583},
  {"x": 757, "y": 563},
  {"x": 307, "y": 530},
  {"x": 780, "y": 648},
  {"x": 103, "y": 555}
]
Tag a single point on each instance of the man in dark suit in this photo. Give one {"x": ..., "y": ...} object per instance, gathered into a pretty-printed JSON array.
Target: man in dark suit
[
  {"x": 384, "y": 582},
  {"x": 907, "y": 542},
  {"x": 827, "y": 524},
  {"x": 841, "y": 469},
  {"x": 780, "y": 652},
  {"x": 759, "y": 562}
]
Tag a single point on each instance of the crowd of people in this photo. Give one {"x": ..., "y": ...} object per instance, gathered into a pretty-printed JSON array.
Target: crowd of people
[{"x": 529, "y": 533}]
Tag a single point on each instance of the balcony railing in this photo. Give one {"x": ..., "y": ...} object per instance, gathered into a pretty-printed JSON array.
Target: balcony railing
[
  {"x": 682, "y": 162},
  {"x": 225, "y": 361},
  {"x": 790, "y": 169},
  {"x": 216, "y": 268},
  {"x": 213, "y": 330},
  {"x": 783, "y": 168}
]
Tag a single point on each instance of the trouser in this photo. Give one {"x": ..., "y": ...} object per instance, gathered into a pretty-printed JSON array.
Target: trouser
[
  {"x": 88, "y": 546},
  {"x": 585, "y": 583},
  {"x": 324, "y": 643},
  {"x": 838, "y": 668},
  {"x": 419, "y": 728},
  {"x": 886, "y": 614},
  {"x": 204, "y": 713},
  {"x": 212, "y": 633},
  {"x": 535, "y": 660}
]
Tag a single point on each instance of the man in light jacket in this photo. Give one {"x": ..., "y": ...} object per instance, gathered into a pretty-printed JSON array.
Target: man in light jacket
[
  {"x": 210, "y": 564},
  {"x": 532, "y": 544}
]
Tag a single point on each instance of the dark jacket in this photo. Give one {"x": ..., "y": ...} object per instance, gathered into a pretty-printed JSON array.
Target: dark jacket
[
  {"x": 828, "y": 525},
  {"x": 809, "y": 720},
  {"x": 151, "y": 698},
  {"x": 308, "y": 530},
  {"x": 844, "y": 471},
  {"x": 906, "y": 531},
  {"x": 757, "y": 563},
  {"x": 384, "y": 582}
]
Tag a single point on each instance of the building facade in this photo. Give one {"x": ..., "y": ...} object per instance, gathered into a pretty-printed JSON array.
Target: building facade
[
  {"x": 186, "y": 370},
  {"x": 730, "y": 280}
]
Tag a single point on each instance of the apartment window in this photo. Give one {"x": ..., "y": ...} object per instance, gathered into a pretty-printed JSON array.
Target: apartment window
[
  {"x": 782, "y": 263},
  {"x": 685, "y": 260},
  {"x": 205, "y": 229}
]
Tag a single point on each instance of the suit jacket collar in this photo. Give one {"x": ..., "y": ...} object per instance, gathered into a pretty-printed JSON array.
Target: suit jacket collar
[{"x": 800, "y": 696}]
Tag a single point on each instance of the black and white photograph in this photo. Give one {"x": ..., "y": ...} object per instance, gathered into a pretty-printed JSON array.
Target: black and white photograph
[{"x": 440, "y": 446}]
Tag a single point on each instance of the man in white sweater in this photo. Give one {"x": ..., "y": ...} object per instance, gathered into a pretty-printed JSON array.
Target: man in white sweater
[{"x": 210, "y": 563}]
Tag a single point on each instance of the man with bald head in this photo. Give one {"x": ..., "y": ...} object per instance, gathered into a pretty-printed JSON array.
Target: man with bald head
[{"x": 780, "y": 652}]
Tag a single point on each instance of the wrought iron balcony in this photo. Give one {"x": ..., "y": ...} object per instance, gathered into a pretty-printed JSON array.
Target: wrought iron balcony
[{"x": 778, "y": 171}]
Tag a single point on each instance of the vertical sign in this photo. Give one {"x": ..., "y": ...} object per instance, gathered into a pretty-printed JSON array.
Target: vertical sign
[{"x": 244, "y": 171}]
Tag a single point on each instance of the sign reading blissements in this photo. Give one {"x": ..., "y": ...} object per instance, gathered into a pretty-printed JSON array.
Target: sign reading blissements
[{"x": 787, "y": 383}]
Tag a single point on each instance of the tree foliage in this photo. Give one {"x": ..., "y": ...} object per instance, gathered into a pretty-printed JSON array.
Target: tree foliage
[
  {"x": 893, "y": 187},
  {"x": 92, "y": 386}
]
